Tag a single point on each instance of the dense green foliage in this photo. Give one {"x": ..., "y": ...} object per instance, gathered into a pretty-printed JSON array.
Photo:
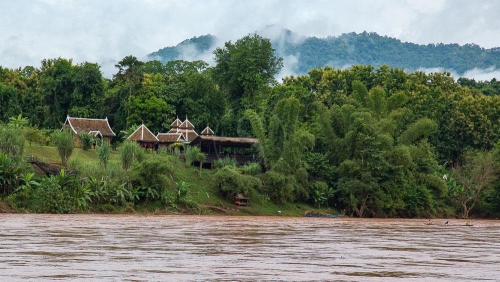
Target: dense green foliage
[
  {"x": 373, "y": 141},
  {"x": 366, "y": 48}
]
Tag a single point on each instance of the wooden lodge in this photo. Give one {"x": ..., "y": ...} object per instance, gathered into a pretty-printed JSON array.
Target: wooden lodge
[
  {"x": 187, "y": 130},
  {"x": 167, "y": 139},
  {"x": 144, "y": 137},
  {"x": 216, "y": 147},
  {"x": 97, "y": 127}
]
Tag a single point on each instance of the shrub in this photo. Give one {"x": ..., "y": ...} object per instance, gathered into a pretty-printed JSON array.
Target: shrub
[
  {"x": 130, "y": 152},
  {"x": 252, "y": 168},
  {"x": 319, "y": 193},
  {"x": 279, "y": 187},
  {"x": 104, "y": 152},
  {"x": 224, "y": 162},
  {"x": 52, "y": 198},
  {"x": 230, "y": 182},
  {"x": 154, "y": 175},
  {"x": 86, "y": 139},
  {"x": 419, "y": 201},
  {"x": 190, "y": 154},
  {"x": 33, "y": 134},
  {"x": 10, "y": 174},
  {"x": 65, "y": 143},
  {"x": 12, "y": 143}
]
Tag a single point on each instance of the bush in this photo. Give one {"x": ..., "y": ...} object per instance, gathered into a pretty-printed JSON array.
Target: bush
[
  {"x": 104, "y": 152},
  {"x": 33, "y": 134},
  {"x": 86, "y": 139},
  {"x": 319, "y": 193},
  {"x": 230, "y": 182},
  {"x": 252, "y": 168},
  {"x": 154, "y": 175},
  {"x": 10, "y": 174},
  {"x": 419, "y": 201},
  {"x": 65, "y": 143},
  {"x": 12, "y": 143},
  {"x": 224, "y": 162},
  {"x": 130, "y": 151},
  {"x": 279, "y": 187},
  {"x": 52, "y": 198},
  {"x": 190, "y": 154}
]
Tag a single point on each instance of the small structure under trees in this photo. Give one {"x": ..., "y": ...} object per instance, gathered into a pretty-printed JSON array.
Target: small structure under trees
[
  {"x": 241, "y": 200},
  {"x": 96, "y": 127}
]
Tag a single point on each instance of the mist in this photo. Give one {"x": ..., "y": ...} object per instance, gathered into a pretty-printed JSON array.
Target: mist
[{"x": 104, "y": 32}]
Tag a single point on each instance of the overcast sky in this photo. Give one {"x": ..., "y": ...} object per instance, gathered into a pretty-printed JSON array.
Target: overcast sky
[{"x": 105, "y": 31}]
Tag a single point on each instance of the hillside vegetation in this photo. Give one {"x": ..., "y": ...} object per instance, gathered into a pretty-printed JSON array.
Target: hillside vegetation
[
  {"x": 367, "y": 48},
  {"x": 370, "y": 141}
]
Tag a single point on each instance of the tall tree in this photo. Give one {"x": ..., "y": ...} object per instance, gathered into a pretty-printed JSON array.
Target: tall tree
[
  {"x": 478, "y": 171},
  {"x": 87, "y": 98},
  {"x": 244, "y": 68},
  {"x": 56, "y": 85},
  {"x": 129, "y": 75}
]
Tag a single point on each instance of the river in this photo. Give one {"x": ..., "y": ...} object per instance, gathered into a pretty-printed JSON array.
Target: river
[{"x": 38, "y": 247}]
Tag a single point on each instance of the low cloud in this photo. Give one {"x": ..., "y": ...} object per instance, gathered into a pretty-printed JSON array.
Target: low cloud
[
  {"x": 290, "y": 67},
  {"x": 105, "y": 32},
  {"x": 475, "y": 73},
  {"x": 482, "y": 74}
]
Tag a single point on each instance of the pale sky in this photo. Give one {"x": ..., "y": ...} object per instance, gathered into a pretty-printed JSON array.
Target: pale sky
[{"x": 105, "y": 31}]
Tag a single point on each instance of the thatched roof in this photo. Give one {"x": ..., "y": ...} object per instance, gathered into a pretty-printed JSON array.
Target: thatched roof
[
  {"x": 207, "y": 131},
  {"x": 176, "y": 123},
  {"x": 88, "y": 125},
  {"x": 240, "y": 196},
  {"x": 142, "y": 133},
  {"x": 186, "y": 128},
  {"x": 173, "y": 130},
  {"x": 95, "y": 133},
  {"x": 225, "y": 141},
  {"x": 170, "y": 137},
  {"x": 189, "y": 134},
  {"x": 186, "y": 125}
]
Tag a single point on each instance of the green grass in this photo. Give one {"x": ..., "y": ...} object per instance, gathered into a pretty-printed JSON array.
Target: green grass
[
  {"x": 201, "y": 188},
  {"x": 49, "y": 154}
]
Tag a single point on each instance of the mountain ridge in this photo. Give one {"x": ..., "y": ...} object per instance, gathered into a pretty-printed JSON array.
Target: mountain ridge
[{"x": 302, "y": 53}]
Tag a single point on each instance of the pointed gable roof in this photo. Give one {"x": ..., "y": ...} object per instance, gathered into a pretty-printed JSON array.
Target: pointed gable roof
[
  {"x": 187, "y": 125},
  {"x": 207, "y": 131},
  {"x": 176, "y": 123},
  {"x": 189, "y": 134},
  {"x": 88, "y": 125},
  {"x": 142, "y": 133},
  {"x": 187, "y": 129},
  {"x": 173, "y": 130},
  {"x": 170, "y": 137}
]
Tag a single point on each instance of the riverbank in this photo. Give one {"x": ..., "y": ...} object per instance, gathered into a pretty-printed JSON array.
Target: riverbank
[{"x": 200, "y": 194}]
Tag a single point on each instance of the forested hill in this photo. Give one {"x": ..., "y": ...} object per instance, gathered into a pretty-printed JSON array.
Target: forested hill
[{"x": 353, "y": 48}]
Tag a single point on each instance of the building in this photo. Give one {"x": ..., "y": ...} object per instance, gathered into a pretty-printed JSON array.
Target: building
[
  {"x": 166, "y": 139},
  {"x": 144, "y": 137},
  {"x": 97, "y": 127}
]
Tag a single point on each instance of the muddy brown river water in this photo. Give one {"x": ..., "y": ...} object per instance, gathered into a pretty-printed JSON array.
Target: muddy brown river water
[{"x": 220, "y": 248}]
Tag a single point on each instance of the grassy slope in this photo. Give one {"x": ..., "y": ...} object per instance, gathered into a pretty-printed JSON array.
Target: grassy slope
[{"x": 201, "y": 188}]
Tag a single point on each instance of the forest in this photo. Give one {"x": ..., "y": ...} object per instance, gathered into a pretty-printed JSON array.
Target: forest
[
  {"x": 369, "y": 141},
  {"x": 366, "y": 48}
]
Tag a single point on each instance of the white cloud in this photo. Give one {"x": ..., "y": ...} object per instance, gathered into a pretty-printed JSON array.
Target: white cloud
[
  {"x": 482, "y": 74},
  {"x": 106, "y": 31},
  {"x": 475, "y": 73}
]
